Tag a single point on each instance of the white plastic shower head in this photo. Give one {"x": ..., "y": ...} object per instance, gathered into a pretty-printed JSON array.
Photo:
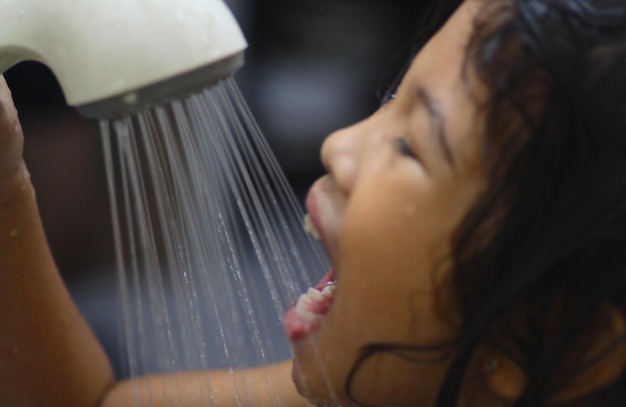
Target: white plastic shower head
[{"x": 114, "y": 56}]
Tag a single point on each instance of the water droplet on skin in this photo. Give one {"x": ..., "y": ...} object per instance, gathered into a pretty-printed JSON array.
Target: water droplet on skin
[{"x": 410, "y": 210}]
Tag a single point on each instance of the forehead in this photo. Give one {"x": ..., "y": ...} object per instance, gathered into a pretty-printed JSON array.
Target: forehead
[{"x": 441, "y": 62}]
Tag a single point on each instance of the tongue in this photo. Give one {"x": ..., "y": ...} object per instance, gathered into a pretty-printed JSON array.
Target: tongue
[{"x": 328, "y": 278}]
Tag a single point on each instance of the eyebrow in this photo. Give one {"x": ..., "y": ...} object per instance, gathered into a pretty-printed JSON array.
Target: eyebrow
[{"x": 437, "y": 122}]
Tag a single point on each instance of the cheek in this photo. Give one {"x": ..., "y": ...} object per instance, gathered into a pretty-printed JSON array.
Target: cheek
[
  {"x": 399, "y": 226},
  {"x": 389, "y": 252}
]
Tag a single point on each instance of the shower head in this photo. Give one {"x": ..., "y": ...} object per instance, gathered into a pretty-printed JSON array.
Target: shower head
[{"x": 116, "y": 56}]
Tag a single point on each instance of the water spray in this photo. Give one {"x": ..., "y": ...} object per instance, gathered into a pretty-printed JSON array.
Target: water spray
[{"x": 209, "y": 243}]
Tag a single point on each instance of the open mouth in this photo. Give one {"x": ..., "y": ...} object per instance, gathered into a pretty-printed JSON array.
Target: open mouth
[{"x": 309, "y": 311}]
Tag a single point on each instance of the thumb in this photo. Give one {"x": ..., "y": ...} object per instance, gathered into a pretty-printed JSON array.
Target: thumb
[{"x": 11, "y": 137}]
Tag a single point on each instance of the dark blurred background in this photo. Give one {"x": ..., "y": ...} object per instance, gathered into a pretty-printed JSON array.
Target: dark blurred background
[{"x": 312, "y": 66}]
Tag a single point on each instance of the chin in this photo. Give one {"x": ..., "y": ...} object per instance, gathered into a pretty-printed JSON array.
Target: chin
[{"x": 315, "y": 385}]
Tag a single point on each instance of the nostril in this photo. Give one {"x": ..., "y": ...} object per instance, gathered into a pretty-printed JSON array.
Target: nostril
[
  {"x": 344, "y": 170},
  {"x": 342, "y": 167},
  {"x": 341, "y": 155},
  {"x": 337, "y": 144}
]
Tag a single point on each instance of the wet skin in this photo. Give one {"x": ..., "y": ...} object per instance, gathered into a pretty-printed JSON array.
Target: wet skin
[{"x": 398, "y": 184}]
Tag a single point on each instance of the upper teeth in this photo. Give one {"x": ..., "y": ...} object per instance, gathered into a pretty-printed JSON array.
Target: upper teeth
[{"x": 310, "y": 228}]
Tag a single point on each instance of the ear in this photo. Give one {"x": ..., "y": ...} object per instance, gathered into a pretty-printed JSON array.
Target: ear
[
  {"x": 503, "y": 376},
  {"x": 606, "y": 358}
]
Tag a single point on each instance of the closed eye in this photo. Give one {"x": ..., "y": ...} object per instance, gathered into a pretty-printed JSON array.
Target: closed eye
[{"x": 403, "y": 147}]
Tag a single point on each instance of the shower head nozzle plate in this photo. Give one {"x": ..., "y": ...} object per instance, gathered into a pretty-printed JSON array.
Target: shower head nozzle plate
[{"x": 164, "y": 91}]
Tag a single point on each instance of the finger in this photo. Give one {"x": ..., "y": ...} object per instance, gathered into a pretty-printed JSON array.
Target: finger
[{"x": 6, "y": 100}]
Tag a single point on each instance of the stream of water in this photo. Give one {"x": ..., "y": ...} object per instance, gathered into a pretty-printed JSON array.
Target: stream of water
[{"x": 210, "y": 247}]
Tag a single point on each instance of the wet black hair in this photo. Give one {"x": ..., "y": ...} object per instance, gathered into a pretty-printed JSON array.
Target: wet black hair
[{"x": 543, "y": 249}]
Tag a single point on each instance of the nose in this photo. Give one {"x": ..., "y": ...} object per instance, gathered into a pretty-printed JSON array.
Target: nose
[{"x": 340, "y": 153}]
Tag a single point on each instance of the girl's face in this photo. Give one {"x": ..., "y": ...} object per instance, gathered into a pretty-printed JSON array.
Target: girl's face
[{"x": 398, "y": 185}]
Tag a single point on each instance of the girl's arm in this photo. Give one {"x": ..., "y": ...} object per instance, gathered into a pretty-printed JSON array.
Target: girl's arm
[
  {"x": 48, "y": 354},
  {"x": 268, "y": 386}
]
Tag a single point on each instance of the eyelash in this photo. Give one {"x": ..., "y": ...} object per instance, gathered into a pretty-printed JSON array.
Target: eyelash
[{"x": 403, "y": 147}]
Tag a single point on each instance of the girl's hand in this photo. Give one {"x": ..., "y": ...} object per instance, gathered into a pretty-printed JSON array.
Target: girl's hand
[{"x": 11, "y": 137}]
